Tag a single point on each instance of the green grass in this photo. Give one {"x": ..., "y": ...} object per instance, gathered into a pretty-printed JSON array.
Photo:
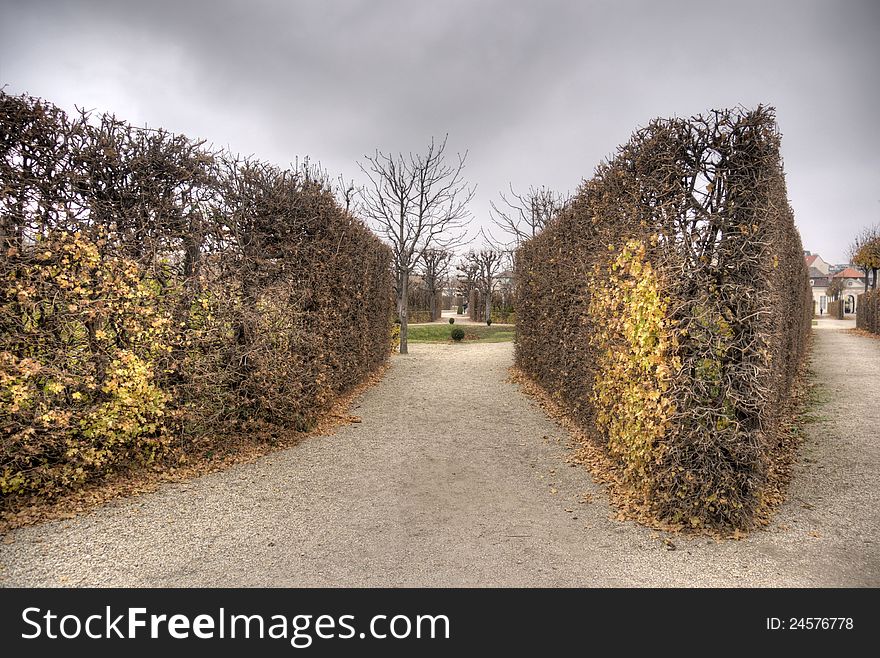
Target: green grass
[{"x": 440, "y": 333}]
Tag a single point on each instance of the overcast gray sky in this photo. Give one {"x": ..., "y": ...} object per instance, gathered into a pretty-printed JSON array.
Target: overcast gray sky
[{"x": 537, "y": 92}]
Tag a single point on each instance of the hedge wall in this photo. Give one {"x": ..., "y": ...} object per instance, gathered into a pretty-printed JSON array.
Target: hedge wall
[
  {"x": 868, "y": 311},
  {"x": 835, "y": 309},
  {"x": 158, "y": 298},
  {"x": 417, "y": 317},
  {"x": 668, "y": 310}
]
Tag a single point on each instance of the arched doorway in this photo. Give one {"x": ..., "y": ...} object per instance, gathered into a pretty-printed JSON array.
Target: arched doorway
[{"x": 849, "y": 304}]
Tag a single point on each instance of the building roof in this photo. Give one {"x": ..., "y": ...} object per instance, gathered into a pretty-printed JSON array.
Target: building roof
[
  {"x": 849, "y": 273},
  {"x": 811, "y": 259}
]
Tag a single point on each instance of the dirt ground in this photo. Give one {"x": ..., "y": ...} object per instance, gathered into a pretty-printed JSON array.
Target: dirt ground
[{"x": 455, "y": 478}]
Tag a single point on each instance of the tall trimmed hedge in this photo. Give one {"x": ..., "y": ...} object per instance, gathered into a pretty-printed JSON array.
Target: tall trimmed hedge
[
  {"x": 668, "y": 310},
  {"x": 868, "y": 311},
  {"x": 835, "y": 309},
  {"x": 158, "y": 298}
]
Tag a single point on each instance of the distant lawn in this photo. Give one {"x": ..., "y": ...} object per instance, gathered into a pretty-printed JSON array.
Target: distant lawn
[{"x": 440, "y": 333}]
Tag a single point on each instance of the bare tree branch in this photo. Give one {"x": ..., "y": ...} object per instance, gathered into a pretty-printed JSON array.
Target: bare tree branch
[{"x": 523, "y": 216}]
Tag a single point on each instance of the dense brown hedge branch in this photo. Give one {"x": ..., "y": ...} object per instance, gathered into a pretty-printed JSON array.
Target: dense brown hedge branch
[
  {"x": 156, "y": 296},
  {"x": 679, "y": 265}
]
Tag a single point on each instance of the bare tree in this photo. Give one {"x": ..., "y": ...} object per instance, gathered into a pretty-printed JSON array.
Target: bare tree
[
  {"x": 864, "y": 253},
  {"x": 836, "y": 288},
  {"x": 416, "y": 202},
  {"x": 486, "y": 265},
  {"x": 435, "y": 268},
  {"x": 467, "y": 280},
  {"x": 523, "y": 216},
  {"x": 505, "y": 285}
]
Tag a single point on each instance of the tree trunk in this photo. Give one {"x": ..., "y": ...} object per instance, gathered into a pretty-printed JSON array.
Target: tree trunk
[
  {"x": 433, "y": 305},
  {"x": 488, "y": 305},
  {"x": 403, "y": 310}
]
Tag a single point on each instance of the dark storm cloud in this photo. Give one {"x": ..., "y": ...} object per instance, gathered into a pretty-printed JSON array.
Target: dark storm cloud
[{"x": 537, "y": 92}]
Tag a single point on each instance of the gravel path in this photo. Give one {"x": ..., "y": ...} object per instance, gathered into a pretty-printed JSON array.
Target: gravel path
[{"x": 455, "y": 478}]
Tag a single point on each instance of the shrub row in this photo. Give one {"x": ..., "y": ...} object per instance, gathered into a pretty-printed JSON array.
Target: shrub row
[
  {"x": 668, "y": 310},
  {"x": 158, "y": 298},
  {"x": 868, "y": 311}
]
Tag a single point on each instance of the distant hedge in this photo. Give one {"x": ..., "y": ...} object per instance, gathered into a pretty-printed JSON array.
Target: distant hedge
[
  {"x": 868, "y": 311},
  {"x": 668, "y": 311},
  {"x": 420, "y": 316},
  {"x": 158, "y": 298}
]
